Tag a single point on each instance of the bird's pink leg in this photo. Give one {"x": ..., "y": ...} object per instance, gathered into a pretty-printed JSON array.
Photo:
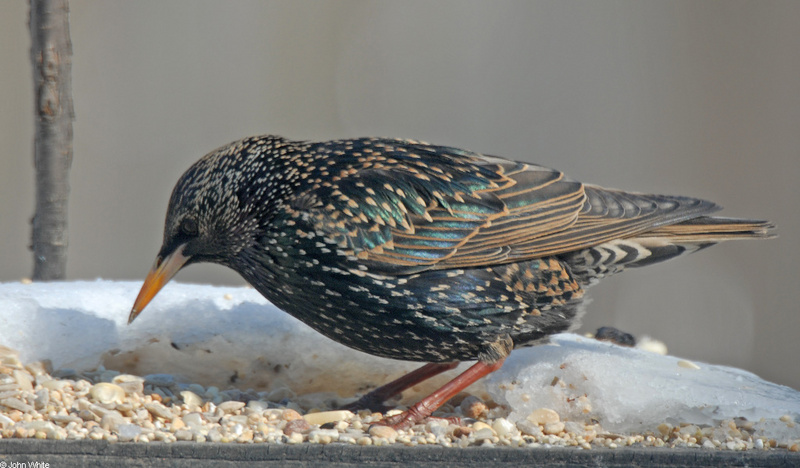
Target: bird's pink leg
[
  {"x": 374, "y": 399},
  {"x": 422, "y": 410}
]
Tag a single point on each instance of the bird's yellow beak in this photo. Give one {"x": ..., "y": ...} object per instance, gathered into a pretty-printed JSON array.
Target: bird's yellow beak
[{"x": 163, "y": 271}]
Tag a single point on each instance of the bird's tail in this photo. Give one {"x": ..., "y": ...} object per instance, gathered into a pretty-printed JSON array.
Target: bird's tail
[
  {"x": 713, "y": 229},
  {"x": 662, "y": 243}
]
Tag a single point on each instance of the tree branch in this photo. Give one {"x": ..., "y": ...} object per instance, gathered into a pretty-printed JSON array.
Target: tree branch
[{"x": 51, "y": 56}]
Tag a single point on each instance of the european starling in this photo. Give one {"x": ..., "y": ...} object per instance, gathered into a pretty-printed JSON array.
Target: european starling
[{"x": 419, "y": 252}]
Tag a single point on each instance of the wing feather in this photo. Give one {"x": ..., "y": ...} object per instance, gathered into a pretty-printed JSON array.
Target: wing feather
[{"x": 407, "y": 206}]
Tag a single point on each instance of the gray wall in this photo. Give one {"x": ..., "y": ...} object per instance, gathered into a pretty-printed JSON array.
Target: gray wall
[{"x": 694, "y": 98}]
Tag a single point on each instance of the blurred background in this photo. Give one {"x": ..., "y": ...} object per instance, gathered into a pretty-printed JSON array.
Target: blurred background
[{"x": 678, "y": 97}]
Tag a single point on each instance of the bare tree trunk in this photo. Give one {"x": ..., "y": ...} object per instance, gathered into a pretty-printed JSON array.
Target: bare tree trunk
[{"x": 51, "y": 55}]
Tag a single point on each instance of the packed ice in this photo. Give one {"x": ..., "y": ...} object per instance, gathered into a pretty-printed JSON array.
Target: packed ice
[
  {"x": 629, "y": 389},
  {"x": 231, "y": 336}
]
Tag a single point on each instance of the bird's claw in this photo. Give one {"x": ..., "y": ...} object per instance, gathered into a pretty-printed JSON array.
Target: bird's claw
[{"x": 411, "y": 417}]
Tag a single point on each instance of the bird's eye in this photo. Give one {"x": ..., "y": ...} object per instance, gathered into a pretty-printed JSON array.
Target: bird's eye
[{"x": 189, "y": 227}]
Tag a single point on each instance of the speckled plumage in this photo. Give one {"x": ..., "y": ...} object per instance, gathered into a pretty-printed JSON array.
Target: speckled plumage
[{"x": 419, "y": 252}]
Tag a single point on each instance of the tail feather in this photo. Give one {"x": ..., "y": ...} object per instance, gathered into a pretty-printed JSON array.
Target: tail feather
[
  {"x": 713, "y": 229},
  {"x": 660, "y": 244}
]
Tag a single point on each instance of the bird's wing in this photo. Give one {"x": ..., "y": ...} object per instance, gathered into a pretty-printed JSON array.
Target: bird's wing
[
  {"x": 415, "y": 207},
  {"x": 604, "y": 215}
]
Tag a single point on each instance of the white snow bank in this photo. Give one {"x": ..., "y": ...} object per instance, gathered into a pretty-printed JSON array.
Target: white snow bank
[
  {"x": 222, "y": 335},
  {"x": 632, "y": 390},
  {"x": 205, "y": 334}
]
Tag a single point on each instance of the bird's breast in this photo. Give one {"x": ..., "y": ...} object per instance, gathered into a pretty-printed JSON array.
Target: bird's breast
[{"x": 433, "y": 315}]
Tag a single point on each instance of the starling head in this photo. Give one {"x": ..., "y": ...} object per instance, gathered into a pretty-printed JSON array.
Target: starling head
[{"x": 216, "y": 210}]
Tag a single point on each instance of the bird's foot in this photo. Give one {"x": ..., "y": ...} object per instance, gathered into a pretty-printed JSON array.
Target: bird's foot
[
  {"x": 423, "y": 409},
  {"x": 408, "y": 419},
  {"x": 418, "y": 413}
]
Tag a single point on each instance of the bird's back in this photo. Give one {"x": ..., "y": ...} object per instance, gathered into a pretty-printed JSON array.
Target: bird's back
[{"x": 430, "y": 253}]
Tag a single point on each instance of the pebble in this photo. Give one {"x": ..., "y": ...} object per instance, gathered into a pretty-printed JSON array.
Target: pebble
[
  {"x": 40, "y": 368},
  {"x": 480, "y": 425},
  {"x": 177, "y": 424},
  {"x": 184, "y": 434},
  {"x": 128, "y": 432},
  {"x": 24, "y": 380},
  {"x": 543, "y": 416},
  {"x": 383, "y": 432},
  {"x": 158, "y": 410},
  {"x": 5, "y": 421},
  {"x": 472, "y": 407},
  {"x": 17, "y": 404},
  {"x": 55, "y": 384},
  {"x": 160, "y": 380},
  {"x": 42, "y": 399},
  {"x": 328, "y": 416},
  {"x": 690, "y": 431},
  {"x": 193, "y": 420},
  {"x": 231, "y": 406},
  {"x": 296, "y": 426},
  {"x": 214, "y": 435},
  {"x": 290, "y": 415},
  {"x": 247, "y": 436},
  {"x": 112, "y": 421},
  {"x": 66, "y": 419},
  {"x": 530, "y": 428},
  {"x": 257, "y": 406},
  {"x": 105, "y": 393},
  {"x": 483, "y": 434},
  {"x": 132, "y": 384},
  {"x": 191, "y": 399},
  {"x": 554, "y": 428},
  {"x": 503, "y": 427},
  {"x": 323, "y": 436},
  {"x": 238, "y": 419}
]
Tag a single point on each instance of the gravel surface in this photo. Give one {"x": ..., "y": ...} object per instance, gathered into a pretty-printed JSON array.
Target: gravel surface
[{"x": 104, "y": 405}]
